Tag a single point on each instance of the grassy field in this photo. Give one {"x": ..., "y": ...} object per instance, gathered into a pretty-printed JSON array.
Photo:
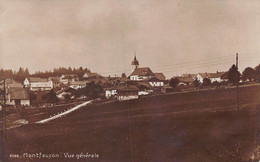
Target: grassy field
[{"x": 196, "y": 126}]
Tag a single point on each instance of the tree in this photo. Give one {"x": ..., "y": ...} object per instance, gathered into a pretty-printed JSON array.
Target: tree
[
  {"x": 50, "y": 97},
  {"x": 196, "y": 82},
  {"x": 67, "y": 98},
  {"x": 233, "y": 75},
  {"x": 257, "y": 72},
  {"x": 174, "y": 82},
  {"x": 32, "y": 96},
  {"x": 248, "y": 74},
  {"x": 206, "y": 82}
]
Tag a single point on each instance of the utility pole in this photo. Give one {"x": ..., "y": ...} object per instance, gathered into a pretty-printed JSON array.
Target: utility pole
[
  {"x": 238, "y": 79},
  {"x": 4, "y": 111}
]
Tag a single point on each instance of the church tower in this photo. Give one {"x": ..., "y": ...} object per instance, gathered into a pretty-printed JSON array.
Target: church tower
[{"x": 135, "y": 63}]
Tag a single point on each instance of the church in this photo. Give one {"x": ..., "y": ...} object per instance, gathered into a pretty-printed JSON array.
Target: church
[{"x": 143, "y": 73}]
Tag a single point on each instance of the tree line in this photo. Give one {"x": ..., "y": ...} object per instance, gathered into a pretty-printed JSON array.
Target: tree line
[{"x": 22, "y": 73}]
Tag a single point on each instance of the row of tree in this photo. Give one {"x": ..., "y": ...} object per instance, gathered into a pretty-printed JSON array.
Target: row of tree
[
  {"x": 19, "y": 75},
  {"x": 22, "y": 73}
]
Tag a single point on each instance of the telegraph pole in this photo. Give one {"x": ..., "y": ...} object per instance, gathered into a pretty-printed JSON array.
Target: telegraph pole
[
  {"x": 4, "y": 111},
  {"x": 238, "y": 79}
]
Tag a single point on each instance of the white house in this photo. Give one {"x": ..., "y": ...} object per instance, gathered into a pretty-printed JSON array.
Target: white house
[
  {"x": 155, "y": 82},
  {"x": 38, "y": 84},
  {"x": 110, "y": 92},
  {"x": 77, "y": 84},
  {"x": 214, "y": 77}
]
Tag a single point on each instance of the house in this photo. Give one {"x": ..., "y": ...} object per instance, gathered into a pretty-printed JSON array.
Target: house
[
  {"x": 111, "y": 92},
  {"x": 65, "y": 91},
  {"x": 91, "y": 75},
  {"x": 10, "y": 83},
  {"x": 117, "y": 80},
  {"x": 192, "y": 76},
  {"x": 100, "y": 80},
  {"x": 66, "y": 79},
  {"x": 127, "y": 94},
  {"x": 38, "y": 84},
  {"x": 56, "y": 82},
  {"x": 16, "y": 97},
  {"x": 214, "y": 77},
  {"x": 78, "y": 84},
  {"x": 141, "y": 73},
  {"x": 155, "y": 82},
  {"x": 185, "y": 80}
]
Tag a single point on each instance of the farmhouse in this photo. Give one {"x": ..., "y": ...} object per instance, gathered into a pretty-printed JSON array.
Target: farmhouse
[
  {"x": 66, "y": 79},
  {"x": 10, "y": 83},
  {"x": 91, "y": 75},
  {"x": 155, "y": 82},
  {"x": 17, "y": 97},
  {"x": 77, "y": 84},
  {"x": 56, "y": 82},
  {"x": 38, "y": 84},
  {"x": 185, "y": 80},
  {"x": 110, "y": 92},
  {"x": 192, "y": 76},
  {"x": 127, "y": 94},
  {"x": 214, "y": 77}
]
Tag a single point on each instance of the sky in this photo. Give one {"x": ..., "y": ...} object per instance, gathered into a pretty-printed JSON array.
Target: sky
[{"x": 170, "y": 36}]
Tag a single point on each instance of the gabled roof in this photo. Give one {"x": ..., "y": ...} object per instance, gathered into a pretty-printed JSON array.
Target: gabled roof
[
  {"x": 153, "y": 79},
  {"x": 145, "y": 71},
  {"x": 37, "y": 79},
  {"x": 79, "y": 83},
  {"x": 212, "y": 75},
  {"x": 55, "y": 79},
  {"x": 159, "y": 76},
  {"x": 185, "y": 79},
  {"x": 216, "y": 75},
  {"x": 18, "y": 93},
  {"x": 193, "y": 76}
]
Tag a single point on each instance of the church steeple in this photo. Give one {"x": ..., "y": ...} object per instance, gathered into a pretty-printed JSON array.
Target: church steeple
[{"x": 135, "y": 63}]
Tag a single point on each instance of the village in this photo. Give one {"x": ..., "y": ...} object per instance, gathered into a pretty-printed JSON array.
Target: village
[{"x": 66, "y": 88}]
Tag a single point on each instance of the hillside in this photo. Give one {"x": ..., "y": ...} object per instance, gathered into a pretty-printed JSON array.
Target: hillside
[{"x": 196, "y": 126}]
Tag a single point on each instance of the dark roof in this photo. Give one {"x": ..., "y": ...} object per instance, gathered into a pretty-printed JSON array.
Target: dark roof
[
  {"x": 127, "y": 89},
  {"x": 55, "y": 79},
  {"x": 212, "y": 75},
  {"x": 193, "y": 76},
  {"x": 159, "y": 76},
  {"x": 17, "y": 93},
  {"x": 37, "y": 79},
  {"x": 153, "y": 79},
  {"x": 145, "y": 71},
  {"x": 185, "y": 79}
]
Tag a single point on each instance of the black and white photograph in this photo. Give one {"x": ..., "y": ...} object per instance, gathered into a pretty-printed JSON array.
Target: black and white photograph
[{"x": 130, "y": 80}]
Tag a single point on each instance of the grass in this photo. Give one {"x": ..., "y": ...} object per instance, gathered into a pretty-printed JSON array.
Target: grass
[{"x": 197, "y": 126}]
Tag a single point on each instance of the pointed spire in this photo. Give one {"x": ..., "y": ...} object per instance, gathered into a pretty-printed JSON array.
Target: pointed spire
[{"x": 135, "y": 63}]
